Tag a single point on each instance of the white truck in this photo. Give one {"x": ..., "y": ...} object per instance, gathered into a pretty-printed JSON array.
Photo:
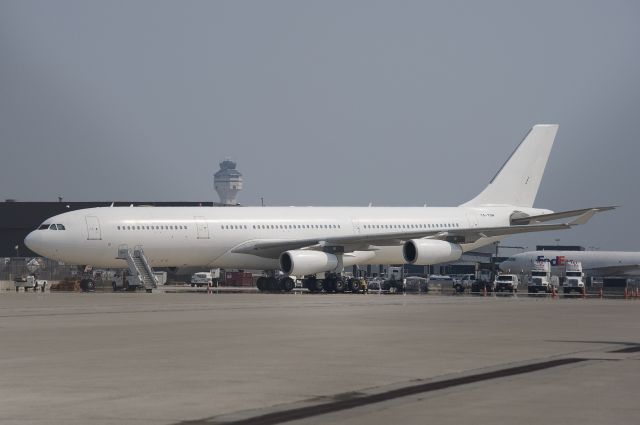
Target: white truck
[
  {"x": 574, "y": 277},
  {"x": 210, "y": 278},
  {"x": 29, "y": 282},
  {"x": 393, "y": 279},
  {"x": 506, "y": 282},
  {"x": 541, "y": 279}
]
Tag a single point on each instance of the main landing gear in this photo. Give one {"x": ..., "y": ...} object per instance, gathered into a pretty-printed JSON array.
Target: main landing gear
[
  {"x": 273, "y": 283},
  {"x": 332, "y": 282}
]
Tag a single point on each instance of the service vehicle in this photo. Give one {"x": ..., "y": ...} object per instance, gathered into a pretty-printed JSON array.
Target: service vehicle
[
  {"x": 393, "y": 279},
  {"x": 464, "y": 283},
  {"x": 541, "y": 279},
  {"x": 574, "y": 277},
  {"x": 416, "y": 284},
  {"x": 205, "y": 278},
  {"x": 29, "y": 282},
  {"x": 506, "y": 282}
]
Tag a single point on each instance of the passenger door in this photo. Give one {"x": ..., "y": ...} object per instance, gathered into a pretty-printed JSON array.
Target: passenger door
[
  {"x": 93, "y": 228},
  {"x": 356, "y": 225},
  {"x": 202, "y": 227}
]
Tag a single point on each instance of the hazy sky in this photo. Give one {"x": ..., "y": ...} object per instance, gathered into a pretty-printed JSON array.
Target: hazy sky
[{"x": 323, "y": 102}]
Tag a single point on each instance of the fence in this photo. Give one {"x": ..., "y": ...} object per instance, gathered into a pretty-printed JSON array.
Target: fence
[{"x": 44, "y": 268}]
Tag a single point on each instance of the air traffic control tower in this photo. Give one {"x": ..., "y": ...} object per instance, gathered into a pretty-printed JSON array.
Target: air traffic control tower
[{"x": 228, "y": 182}]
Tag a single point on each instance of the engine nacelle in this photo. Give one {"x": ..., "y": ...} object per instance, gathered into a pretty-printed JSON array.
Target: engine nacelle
[
  {"x": 301, "y": 262},
  {"x": 429, "y": 251}
]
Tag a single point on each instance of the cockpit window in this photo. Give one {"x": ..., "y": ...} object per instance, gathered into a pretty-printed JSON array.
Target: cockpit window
[
  {"x": 43, "y": 226},
  {"x": 53, "y": 227},
  {"x": 61, "y": 227}
]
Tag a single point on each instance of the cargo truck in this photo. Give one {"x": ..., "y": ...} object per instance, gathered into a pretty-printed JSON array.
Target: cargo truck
[
  {"x": 574, "y": 277},
  {"x": 541, "y": 279}
]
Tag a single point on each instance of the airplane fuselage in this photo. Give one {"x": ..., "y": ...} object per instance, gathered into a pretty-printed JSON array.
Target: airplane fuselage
[
  {"x": 205, "y": 236},
  {"x": 594, "y": 263}
]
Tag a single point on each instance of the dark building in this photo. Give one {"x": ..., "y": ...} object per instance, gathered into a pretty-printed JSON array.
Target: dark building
[
  {"x": 17, "y": 219},
  {"x": 559, "y": 248}
]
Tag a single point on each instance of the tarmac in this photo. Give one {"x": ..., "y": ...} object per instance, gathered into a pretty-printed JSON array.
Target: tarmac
[{"x": 197, "y": 358}]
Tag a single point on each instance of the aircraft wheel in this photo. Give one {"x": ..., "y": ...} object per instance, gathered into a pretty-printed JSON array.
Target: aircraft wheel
[
  {"x": 328, "y": 285},
  {"x": 261, "y": 283},
  {"x": 287, "y": 284},
  {"x": 315, "y": 285},
  {"x": 309, "y": 283},
  {"x": 272, "y": 284},
  {"x": 339, "y": 285},
  {"x": 87, "y": 285}
]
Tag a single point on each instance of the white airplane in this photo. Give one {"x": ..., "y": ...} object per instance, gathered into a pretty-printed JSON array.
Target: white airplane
[
  {"x": 594, "y": 263},
  {"x": 305, "y": 241}
]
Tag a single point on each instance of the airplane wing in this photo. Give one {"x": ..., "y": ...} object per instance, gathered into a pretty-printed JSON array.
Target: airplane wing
[
  {"x": 532, "y": 219},
  {"x": 272, "y": 248}
]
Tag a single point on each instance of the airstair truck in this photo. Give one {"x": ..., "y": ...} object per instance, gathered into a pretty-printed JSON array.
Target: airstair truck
[
  {"x": 541, "y": 279},
  {"x": 574, "y": 277}
]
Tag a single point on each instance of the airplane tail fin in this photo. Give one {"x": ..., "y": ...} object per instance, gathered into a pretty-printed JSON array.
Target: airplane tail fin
[{"x": 517, "y": 182}]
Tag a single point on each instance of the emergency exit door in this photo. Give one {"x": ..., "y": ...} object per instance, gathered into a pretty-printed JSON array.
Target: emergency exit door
[
  {"x": 202, "y": 227},
  {"x": 93, "y": 228}
]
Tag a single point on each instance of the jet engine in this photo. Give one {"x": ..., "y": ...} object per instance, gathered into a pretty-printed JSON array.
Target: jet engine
[
  {"x": 301, "y": 262},
  {"x": 429, "y": 251}
]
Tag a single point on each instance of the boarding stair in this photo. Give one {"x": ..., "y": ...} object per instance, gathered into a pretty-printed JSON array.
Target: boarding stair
[{"x": 140, "y": 271}]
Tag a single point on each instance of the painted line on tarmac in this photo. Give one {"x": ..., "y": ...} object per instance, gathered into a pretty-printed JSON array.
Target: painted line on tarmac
[
  {"x": 631, "y": 349},
  {"x": 353, "y": 400}
]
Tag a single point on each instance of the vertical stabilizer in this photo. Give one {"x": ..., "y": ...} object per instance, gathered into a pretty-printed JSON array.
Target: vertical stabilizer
[{"x": 517, "y": 182}]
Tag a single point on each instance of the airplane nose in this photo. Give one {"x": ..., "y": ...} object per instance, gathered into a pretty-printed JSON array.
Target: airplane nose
[{"x": 32, "y": 241}]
